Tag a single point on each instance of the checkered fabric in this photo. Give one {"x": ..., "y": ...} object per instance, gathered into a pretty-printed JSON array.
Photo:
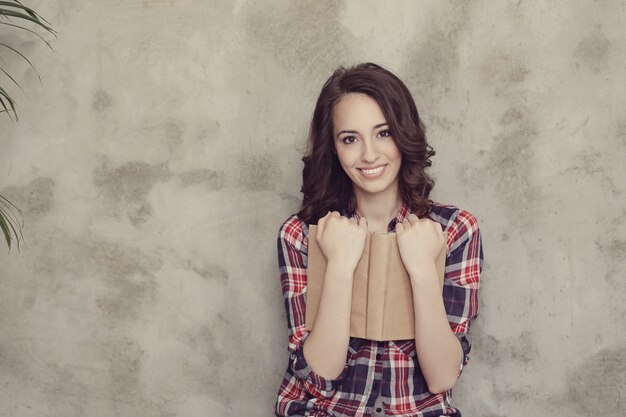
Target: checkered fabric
[{"x": 377, "y": 374}]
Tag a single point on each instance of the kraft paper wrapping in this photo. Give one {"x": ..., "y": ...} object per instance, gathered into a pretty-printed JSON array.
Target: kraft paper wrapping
[{"x": 382, "y": 295}]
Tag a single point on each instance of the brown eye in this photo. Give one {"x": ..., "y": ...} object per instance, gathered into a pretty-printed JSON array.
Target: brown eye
[
  {"x": 384, "y": 133},
  {"x": 348, "y": 139}
]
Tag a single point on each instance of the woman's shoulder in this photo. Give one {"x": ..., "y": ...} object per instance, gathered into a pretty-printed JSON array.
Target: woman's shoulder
[
  {"x": 453, "y": 218},
  {"x": 294, "y": 231}
]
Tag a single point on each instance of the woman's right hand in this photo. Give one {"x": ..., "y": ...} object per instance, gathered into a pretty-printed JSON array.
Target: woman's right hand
[{"x": 341, "y": 240}]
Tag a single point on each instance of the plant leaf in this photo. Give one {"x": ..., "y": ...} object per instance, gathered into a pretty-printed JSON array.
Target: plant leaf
[
  {"x": 22, "y": 55},
  {"x": 11, "y": 104},
  {"x": 12, "y": 79},
  {"x": 9, "y": 220},
  {"x": 5, "y": 229},
  {"x": 29, "y": 30},
  {"x": 25, "y": 16}
]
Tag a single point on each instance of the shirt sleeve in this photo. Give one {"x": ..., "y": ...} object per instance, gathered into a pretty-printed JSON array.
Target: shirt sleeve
[
  {"x": 292, "y": 260},
  {"x": 462, "y": 278}
]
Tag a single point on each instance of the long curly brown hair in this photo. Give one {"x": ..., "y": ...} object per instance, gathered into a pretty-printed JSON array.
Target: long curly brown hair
[{"x": 325, "y": 185}]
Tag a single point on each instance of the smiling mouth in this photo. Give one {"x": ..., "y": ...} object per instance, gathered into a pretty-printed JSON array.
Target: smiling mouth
[{"x": 372, "y": 172}]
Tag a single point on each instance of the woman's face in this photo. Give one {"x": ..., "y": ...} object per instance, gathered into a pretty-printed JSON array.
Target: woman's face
[{"x": 365, "y": 148}]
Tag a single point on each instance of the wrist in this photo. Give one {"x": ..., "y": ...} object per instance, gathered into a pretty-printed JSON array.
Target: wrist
[
  {"x": 339, "y": 270},
  {"x": 426, "y": 272}
]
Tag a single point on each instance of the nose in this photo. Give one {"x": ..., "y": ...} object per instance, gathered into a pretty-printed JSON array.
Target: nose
[{"x": 370, "y": 154}]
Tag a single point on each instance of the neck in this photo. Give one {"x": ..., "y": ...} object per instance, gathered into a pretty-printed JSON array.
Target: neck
[{"x": 378, "y": 209}]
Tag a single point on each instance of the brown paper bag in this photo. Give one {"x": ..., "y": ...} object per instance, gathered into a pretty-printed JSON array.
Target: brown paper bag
[{"x": 382, "y": 295}]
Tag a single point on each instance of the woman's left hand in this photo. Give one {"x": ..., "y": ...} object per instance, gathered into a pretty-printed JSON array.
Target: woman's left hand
[{"x": 419, "y": 242}]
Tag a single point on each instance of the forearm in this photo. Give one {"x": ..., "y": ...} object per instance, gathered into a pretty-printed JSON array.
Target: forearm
[
  {"x": 326, "y": 347},
  {"x": 438, "y": 350}
]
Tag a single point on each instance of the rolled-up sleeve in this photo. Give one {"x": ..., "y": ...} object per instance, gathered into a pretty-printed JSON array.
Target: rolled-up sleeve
[
  {"x": 462, "y": 278},
  {"x": 292, "y": 260}
]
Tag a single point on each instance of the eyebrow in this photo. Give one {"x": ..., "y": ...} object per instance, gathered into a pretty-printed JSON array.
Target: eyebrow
[{"x": 354, "y": 131}]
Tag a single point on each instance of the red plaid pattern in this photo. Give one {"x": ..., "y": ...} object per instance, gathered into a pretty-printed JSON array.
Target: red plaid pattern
[{"x": 386, "y": 371}]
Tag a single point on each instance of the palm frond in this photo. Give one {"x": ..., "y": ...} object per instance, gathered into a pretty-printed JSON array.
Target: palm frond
[
  {"x": 8, "y": 219},
  {"x": 9, "y": 101},
  {"x": 16, "y": 10},
  {"x": 9, "y": 10},
  {"x": 22, "y": 55},
  {"x": 31, "y": 31}
]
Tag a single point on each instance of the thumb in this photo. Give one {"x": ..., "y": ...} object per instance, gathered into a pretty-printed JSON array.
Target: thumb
[{"x": 321, "y": 224}]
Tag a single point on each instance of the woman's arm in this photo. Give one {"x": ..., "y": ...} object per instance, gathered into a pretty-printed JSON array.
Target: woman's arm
[
  {"x": 341, "y": 240},
  {"x": 438, "y": 351},
  {"x": 326, "y": 347}
]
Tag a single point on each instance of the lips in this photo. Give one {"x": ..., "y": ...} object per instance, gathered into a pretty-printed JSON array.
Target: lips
[{"x": 372, "y": 172}]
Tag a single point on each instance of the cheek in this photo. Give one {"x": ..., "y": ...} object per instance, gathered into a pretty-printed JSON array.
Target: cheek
[
  {"x": 394, "y": 152},
  {"x": 346, "y": 158}
]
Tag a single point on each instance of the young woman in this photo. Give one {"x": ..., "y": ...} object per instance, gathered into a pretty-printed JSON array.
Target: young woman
[{"x": 365, "y": 171}]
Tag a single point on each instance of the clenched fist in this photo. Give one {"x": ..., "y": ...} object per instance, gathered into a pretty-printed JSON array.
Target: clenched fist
[
  {"x": 341, "y": 240},
  {"x": 419, "y": 242}
]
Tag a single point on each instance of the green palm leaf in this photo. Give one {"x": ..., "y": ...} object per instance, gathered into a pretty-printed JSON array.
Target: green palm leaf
[
  {"x": 8, "y": 219},
  {"x": 10, "y": 10},
  {"x": 12, "y": 15}
]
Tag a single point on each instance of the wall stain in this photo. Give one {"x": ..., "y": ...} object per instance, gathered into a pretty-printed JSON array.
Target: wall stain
[
  {"x": 101, "y": 101},
  {"x": 503, "y": 68},
  {"x": 445, "y": 124},
  {"x": 257, "y": 172},
  {"x": 613, "y": 248},
  {"x": 509, "y": 164},
  {"x": 593, "y": 51},
  {"x": 174, "y": 130},
  {"x": 434, "y": 59},
  {"x": 34, "y": 199},
  {"x": 125, "y": 362},
  {"x": 494, "y": 351},
  {"x": 508, "y": 395},
  {"x": 291, "y": 198},
  {"x": 620, "y": 132},
  {"x": 206, "y": 270},
  {"x": 127, "y": 272},
  {"x": 512, "y": 115},
  {"x": 86, "y": 279},
  {"x": 209, "y": 178},
  {"x": 130, "y": 276},
  {"x": 303, "y": 38},
  {"x": 598, "y": 386},
  {"x": 127, "y": 186},
  {"x": 215, "y": 372},
  {"x": 524, "y": 349},
  {"x": 590, "y": 164}
]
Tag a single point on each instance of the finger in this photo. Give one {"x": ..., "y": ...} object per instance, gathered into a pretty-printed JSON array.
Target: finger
[
  {"x": 352, "y": 220},
  {"x": 413, "y": 218},
  {"x": 399, "y": 228},
  {"x": 321, "y": 224},
  {"x": 435, "y": 226},
  {"x": 363, "y": 223},
  {"x": 335, "y": 214}
]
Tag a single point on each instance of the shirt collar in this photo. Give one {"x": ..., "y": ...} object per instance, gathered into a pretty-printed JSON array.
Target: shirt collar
[{"x": 391, "y": 227}]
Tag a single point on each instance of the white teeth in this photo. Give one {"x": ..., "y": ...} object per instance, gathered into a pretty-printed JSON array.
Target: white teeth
[{"x": 373, "y": 171}]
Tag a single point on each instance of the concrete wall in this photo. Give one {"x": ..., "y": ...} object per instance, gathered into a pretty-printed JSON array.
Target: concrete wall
[{"x": 160, "y": 153}]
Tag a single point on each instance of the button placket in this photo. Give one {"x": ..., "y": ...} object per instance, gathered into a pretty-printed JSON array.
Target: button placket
[{"x": 378, "y": 408}]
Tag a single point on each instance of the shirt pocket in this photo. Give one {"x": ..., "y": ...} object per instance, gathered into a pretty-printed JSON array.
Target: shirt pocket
[
  {"x": 354, "y": 346},
  {"x": 405, "y": 346}
]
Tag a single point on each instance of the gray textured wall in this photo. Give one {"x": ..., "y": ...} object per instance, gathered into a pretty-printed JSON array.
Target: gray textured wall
[{"x": 162, "y": 151}]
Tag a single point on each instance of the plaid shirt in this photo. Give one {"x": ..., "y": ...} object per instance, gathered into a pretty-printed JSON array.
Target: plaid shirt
[{"x": 379, "y": 378}]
